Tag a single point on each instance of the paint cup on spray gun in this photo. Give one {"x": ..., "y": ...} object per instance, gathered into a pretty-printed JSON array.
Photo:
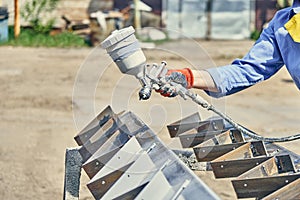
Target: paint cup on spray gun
[{"x": 123, "y": 47}]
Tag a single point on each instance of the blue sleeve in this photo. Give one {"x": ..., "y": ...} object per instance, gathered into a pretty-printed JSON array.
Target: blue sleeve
[{"x": 261, "y": 62}]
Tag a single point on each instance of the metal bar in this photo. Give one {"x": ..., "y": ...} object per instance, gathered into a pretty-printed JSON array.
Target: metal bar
[
  {"x": 73, "y": 164},
  {"x": 182, "y": 187}
]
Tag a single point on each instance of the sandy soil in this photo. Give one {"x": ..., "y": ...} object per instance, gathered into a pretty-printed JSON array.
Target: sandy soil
[{"x": 38, "y": 118}]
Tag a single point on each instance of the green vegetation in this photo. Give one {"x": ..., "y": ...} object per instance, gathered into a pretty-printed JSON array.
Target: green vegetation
[
  {"x": 31, "y": 38},
  {"x": 34, "y": 11},
  {"x": 255, "y": 35},
  {"x": 39, "y": 33}
]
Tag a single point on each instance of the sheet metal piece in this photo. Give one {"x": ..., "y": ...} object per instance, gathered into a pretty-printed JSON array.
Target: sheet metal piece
[
  {"x": 139, "y": 173},
  {"x": 234, "y": 168},
  {"x": 131, "y": 194},
  {"x": 113, "y": 159},
  {"x": 94, "y": 166},
  {"x": 261, "y": 187},
  {"x": 274, "y": 149},
  {"x": 116, "y": 182},
  {"x": 247, "y": 150},
  {"x": 227, "y": 137},
  {"x": 157, "y": 188},
  {"x": 183, "y": 125},
  {"x": 191, "y": 139},
  {"x": 251, "y": 161},
  {"x": 98, "y": 139},
  {"x": 100, "y": 186},
  {"x": 127, "y": 154},
  {"x": 273, "y": 166},
  {"x": 88, "y": 131},
  {"x": 290, "y": 191},
  {"x": 209, "y": 153},
  {"x": 117, "y": 140}
]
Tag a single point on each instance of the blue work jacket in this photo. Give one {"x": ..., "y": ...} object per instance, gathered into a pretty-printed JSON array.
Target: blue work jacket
[{"x": 272, "y": 50}]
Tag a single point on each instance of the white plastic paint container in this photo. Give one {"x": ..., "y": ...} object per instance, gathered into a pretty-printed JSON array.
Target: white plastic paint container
[{"x": 124, "y": 49}]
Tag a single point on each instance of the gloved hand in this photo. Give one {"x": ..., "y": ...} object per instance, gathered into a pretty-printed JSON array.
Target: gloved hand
[{"x": 184, "y": 77}]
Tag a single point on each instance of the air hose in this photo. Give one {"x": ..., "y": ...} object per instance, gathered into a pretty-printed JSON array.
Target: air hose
[{"x": 183, "y": 92}]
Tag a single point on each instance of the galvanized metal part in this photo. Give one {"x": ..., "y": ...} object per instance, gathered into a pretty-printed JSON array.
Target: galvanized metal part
[
  {"x": 289, "y": 191},
  {"x": 183, "y": 125},
  {"x": 88, "y": 131},
  {"x": 125, "y": 159},
  {"x": 261, "y": 168},
  {"x": 260, "y": 187}
]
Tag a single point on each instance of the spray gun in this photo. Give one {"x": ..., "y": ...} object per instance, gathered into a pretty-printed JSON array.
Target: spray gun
[{"x": 124, "y": 49}]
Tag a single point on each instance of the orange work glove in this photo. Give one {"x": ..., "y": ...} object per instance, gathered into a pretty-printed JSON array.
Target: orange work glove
[{"x": 184, "y": 77}]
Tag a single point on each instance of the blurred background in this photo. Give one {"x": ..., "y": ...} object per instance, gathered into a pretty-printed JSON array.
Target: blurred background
[
  {"x": 95, "y": 19},
  {"x": 37, "y": 82}
]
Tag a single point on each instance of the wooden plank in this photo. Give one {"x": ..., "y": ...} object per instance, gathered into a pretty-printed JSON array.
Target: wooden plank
[
  {"x": 234, "y": 168},
  {"x": 290, "y": 191},
  {"x": 260, "y": 187},
  {"x": 209, "y": 153}
]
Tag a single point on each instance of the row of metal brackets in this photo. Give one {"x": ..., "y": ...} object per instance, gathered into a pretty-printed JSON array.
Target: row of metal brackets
[
  {"x": 261, "y": 170},
  {"x": 124, "y": 159}
]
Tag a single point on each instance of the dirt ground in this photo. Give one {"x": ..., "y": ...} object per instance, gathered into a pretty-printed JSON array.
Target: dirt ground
[{"x": 38, "y": 118}]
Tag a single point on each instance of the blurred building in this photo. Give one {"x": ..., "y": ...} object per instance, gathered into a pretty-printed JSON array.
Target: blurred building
[
  {"x": 213, "y": 19},
  {"x": 264, "y": 12}
]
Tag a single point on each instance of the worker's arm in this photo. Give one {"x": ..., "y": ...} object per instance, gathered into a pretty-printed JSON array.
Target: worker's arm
[
  {"x": 204, "y": 81},
  {"x": 262, "y": 61}
]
